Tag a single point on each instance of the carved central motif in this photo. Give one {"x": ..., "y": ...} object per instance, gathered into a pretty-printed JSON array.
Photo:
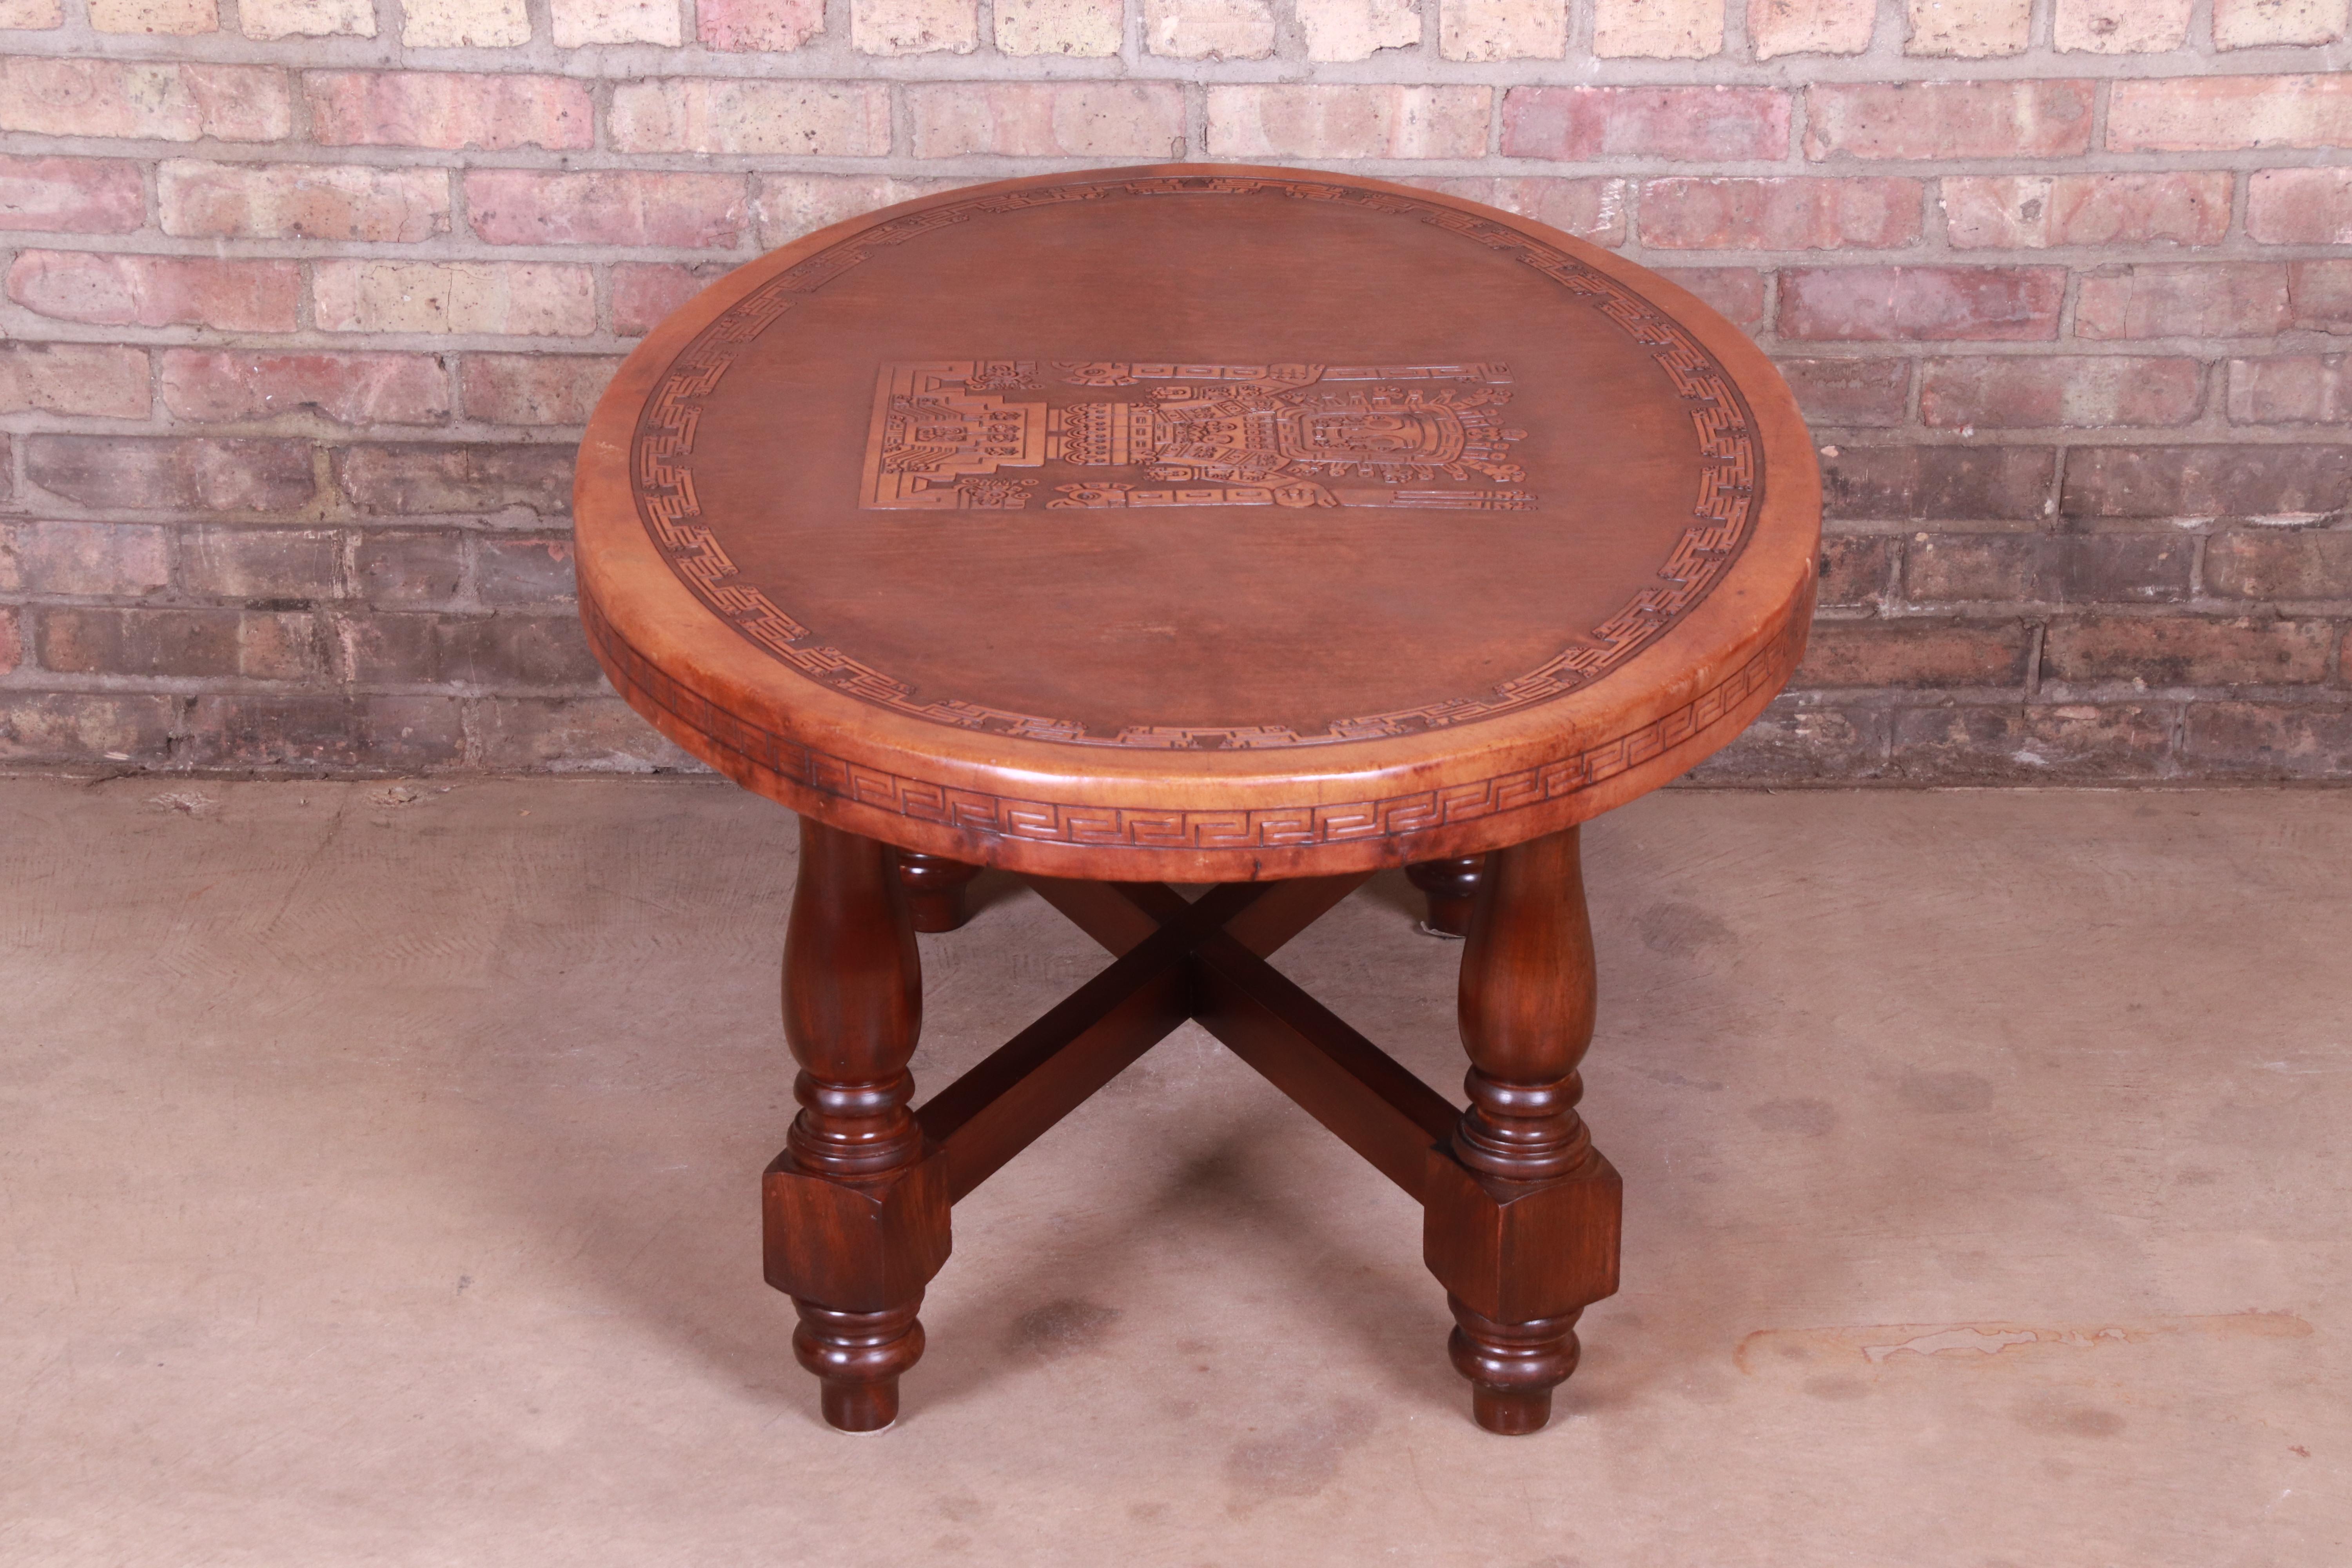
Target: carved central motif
[{"x": 946, "y": 435}]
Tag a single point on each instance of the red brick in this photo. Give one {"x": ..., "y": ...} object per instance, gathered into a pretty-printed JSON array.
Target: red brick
[
  {"x": 1349, "y": 119},
  {"x": 1991, "y": 304},
  {"x": 1781, "y": 214},
  {"x": 253, "y": 646},
  {"x": 2320, "y": 295},
  {"x": 591, "y": 734},
  {"x": 2222, "y": 113},
  {"x": 533, "y": 571},
  {"x": 387, "y": 648},
  {"x": 158, "y": 291},
  {"x": 2280, "y": 563},
  {"x": 2301, "y": 389},
  {"x": 387, "y": 733},
  {"x": 2255, "y": 24},
  {"x": 1969, "y": 29},
  {"x": 534, "y": 389},
  {"x": 1798, "y": 740},
  {"x": 140, "y": 472},
  {"x": 2267, "y": 740},
  {"x": 1974, "y": 568},
  {"x": 224, "y": 385},
  {"x": 516, "y": 650},
  {"x": 2059, "y": 743},
  {"x": 2124, "y": 568},
  {"x": 2043, "y": 568},
  {"x": 1856, "y": 568},
  {"x": 410, "y": 568},
  {"x": 2300, "y": 206},
  {"x": 75, "y": 726},
  {"x": 81, "y": 196},
  {"x": 1913, "y": 653},
  {"x": 761, "y": 27},
  {"x": 2120, "y": 26},
  {"x": 101, "y": 379},
  {"x": 1700, "y": 124},
  {"x": 2217, "y": 300},
  {"x": 2031, "y": 211},
  {"x": 1948, "y": 120},
  {"x": 786, "y": 207},
  {"x": 716, "y": 114},
  {"x": 915, "y": 27},
  {"x": 1047, "y": 119},
  {"x": 1590, "y": 209},
  {"x": 645, "y": 292},
  {"x": 2013, "y": 393},
  {"x": 2187, "y": 650},
  {"x": 107, "y": 560},
  {"x": 144, "y": 101},
  {"x": 517, "y": 299},
  {"x": 272, "y": 568},
  {"x": 301, "y": 201},
  {"x": 2177, "y": 481},
  {"x": 1939, "y": 483},
  {"x": 525, "y": 207},
  {"x": 421, "y": 478},
  {"x": 1736, "y": 292},
  {"x": 1811, "y": 27},
  {"x": 494, "y": 112},
  {"x": 1851, "y": 392},
  {"x": 11, "y": 642}
]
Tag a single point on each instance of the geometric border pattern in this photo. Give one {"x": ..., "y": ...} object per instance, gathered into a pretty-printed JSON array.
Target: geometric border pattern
[
  {"x": 1729, "y": 495},
  {"x": 1155, "y": 827}
]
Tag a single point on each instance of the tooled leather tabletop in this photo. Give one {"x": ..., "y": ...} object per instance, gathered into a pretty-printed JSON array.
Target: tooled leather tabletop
[{"x": 1197, "y": 521}]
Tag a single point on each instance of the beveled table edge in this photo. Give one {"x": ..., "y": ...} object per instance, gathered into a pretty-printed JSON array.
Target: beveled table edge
[{"x": 1036, "y": 806}]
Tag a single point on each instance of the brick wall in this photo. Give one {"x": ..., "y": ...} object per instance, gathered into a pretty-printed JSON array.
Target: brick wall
[{"x": 305, "y": 301}]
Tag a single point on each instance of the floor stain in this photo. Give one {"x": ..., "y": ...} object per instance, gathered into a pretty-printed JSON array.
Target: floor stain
[
  {"x": 1061, "y": 1328},
  {"x": 2065, "y": 1419},
  {"x": 1944, "y": 1093},
  {"x": 1297, "y": 1462},
  {"x": 1898, "y": 1343},
  {"x": 1806, "y": 1118},
  {"x": 1681, "y": 931},
  {"x": 1673, "y": 1079}
]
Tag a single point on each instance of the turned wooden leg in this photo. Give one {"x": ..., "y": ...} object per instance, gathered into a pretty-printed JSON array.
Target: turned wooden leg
[
  {"x": 935, "y": 890},
  {"x": 1452, "y": 886},
  {"x": 855, "y": 1207},
  {"x": 1522, "y": 1211}
]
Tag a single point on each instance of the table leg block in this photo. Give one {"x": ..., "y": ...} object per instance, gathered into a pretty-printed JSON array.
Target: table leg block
[
  {"x": 854, "y": 1257},
  {"x": 1519, "y": 1261}
]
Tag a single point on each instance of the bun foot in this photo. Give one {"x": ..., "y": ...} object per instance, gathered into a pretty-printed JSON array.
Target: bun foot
[
  {"x": 1451, "y": 887},
  {"x": 935, "y": 891},
  {"x": 858, "y": 1358},
  {"x": 1512, "y": 1367}
]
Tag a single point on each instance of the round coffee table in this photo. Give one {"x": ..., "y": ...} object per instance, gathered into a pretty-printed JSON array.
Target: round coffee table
[{"x": 1195, "y": 525}]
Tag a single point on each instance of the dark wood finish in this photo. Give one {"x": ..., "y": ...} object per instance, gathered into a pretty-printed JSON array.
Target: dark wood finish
[
  {"x": 1050, "y": 1068},
  {"x": 935, "y": 891},
  {"x": 1450, "y": 887},
  {"x": 1199, "y": 524},
  {"x": 1527, "y": 1006},
  {"x": 1522, "y": 1220},
  {"x": 855, "y": 1207},
  {"x": 1337, "y": 1076}
]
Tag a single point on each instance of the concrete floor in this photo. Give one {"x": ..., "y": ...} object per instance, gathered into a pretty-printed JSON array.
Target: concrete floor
[{"x": 378, "y": 1175}]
